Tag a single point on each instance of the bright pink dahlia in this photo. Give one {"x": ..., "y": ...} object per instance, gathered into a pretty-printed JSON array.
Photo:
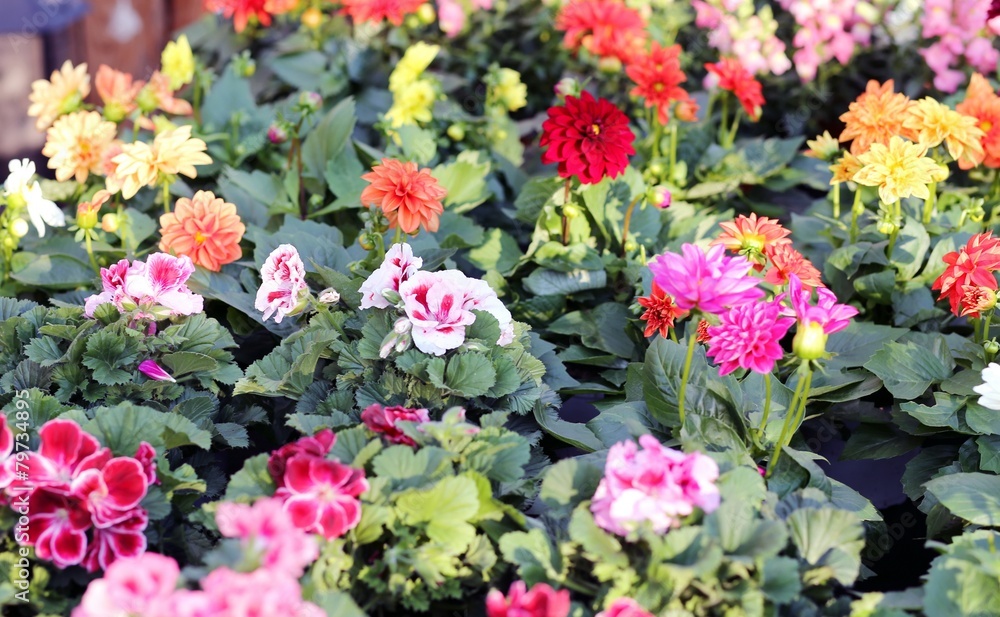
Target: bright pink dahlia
[
  {"x": 321, "y": 495},
  {"x": 588, "y": 137},
  {"x": 541, "y": 601},
  {"x": 711, "y": 282},
  {"x": 749, "y": 336},
  {"x": 654, "y": 487},
  {"x": 383, "y": 420},
  {"x": 625, "y": 607},
  {"x": 827, "y": 312}
]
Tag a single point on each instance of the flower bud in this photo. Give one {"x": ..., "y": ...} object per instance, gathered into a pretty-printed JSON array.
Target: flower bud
[
  {"x": 109, "y": 223},
  {"x": 412, "y": 22},
  {"x": 276, "y": 134},
  {"x": 329, "y": 296},
  {"x": 456, "y": 132},
  {"x": 570, "y": 211},
  {"x": 114, "y": 112},
  {"x": 147, "y": 101},
  {"x": 16, "y": 201},
  {"x": 630, "y": 245},
  {"x": 402, "y": 325},
  {"x": 392, "y": 296},
  {"x": 310, "y": 101},
  {"x": 151, "y": 369},
  {"x": 656, "y": 169},
  {"x": 312, "y": 18},
  {"x": 404, "y": 343},
  {"x": 71, "y": 103},
  {"x": 19, "y": 228},
  {"x": 245, "y": 65},
  {"x": 810, "y": 341},
  {"x": 567, "y": 86},
  {"x": 992, "y": 347},
  {"x": 86, "y": 217},
  {"x": 659, "y": 196},
  {"x": 388, "y": 344},
  {"x": 426, "y": 14},
  {"x": 610, "y": 65}
]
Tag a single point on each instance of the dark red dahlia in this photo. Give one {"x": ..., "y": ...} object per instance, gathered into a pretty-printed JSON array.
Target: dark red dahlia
[{"x": 588, "y": 137}]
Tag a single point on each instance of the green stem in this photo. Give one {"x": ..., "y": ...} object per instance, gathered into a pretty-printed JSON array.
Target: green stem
[
  {"x": 398, "y": 238},
  {"x": 90, "y": 253},
  {"x": 836, "y": 201},
  {"x": 657, "y": 135},
  {"x": 930, "y": 202},
  {"x": 628, "y": 220},
  {"x": 722, "y": 119},
  {"x": 767, "y": 407},
  {"x": 166, "y": 197},
  {"x": 995, "y": 185},
  {"x": 673, "y": 334},
  {"x": 731, "y": 137},
  {"x": 686, "y": 374},
  {"x": 673, "y": 151},
  {"x": 792, "y": 416},
  {"x": 565, "y": 221},
  {"x": 856, "y": 211}
]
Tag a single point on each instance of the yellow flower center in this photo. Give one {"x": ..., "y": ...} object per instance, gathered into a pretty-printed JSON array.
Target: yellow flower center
[
  {"x": 199, "y": 237},
  {"x": 595, "y": 128},
  {"x": 986, "y": 125}
]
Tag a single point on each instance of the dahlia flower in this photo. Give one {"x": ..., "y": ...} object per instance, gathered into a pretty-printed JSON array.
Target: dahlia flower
[
  {"x": 899, "y": 169},
  {"x": 62, "y": 93},
  {"x": 409, "y": 197},
  {"x": 660, "y": 312},
  {"x": 657, "y": 75},
  {"x": 749, "y": 337},
  {"x": 971, "y": 265},
  {"x": 205, "y": 228},
  {"x": 711, "y": 282},
  {"x": 732, "y": 76},
  {"x": 605, "y": 28},
  {"x": 589, "y": 138},
  {"x": 75, "y": 144},
  {"x": 982, "y": 103},
  {"x": 22, "y": 192},
  {"x": 876, "y": 116}
]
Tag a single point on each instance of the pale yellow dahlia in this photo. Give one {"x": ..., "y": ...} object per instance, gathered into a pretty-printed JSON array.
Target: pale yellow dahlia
[
  {"x": 60, "y": 94},
  {"x": 933, "y": 123},
  {"x": 899, "y": 170},
  {"x": 76, "y": 144}
]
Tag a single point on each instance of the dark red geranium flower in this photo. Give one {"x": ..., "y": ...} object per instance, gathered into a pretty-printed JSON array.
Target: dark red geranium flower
[
  {"x": 383, "y": 420},
  {"x": 660, "y": 312},
  {"x": 588, "y": 137},
  {"x": 314, "y": 445},
  {"x": 657, "y": 76},
  {"x": 540, "y": 601},
  {"x": 736, "y": 79}
]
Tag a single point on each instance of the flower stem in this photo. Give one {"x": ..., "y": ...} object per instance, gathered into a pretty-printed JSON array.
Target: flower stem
[
  {"x": 731, "y": 137},
  {"x": 794, "y": 415},
  {"x": 628, "y": 220},
  {"x": 767, "y": 407},
  {"x": 673, "y": 152},
  {"x": 722, "y": 120},
  {"x": 856, "y": 211},
  {"x": 836, "y": 201},
  {"x": 166, "y": 197},
  {"x": 398, "y": 238},
  {"x": 90, "y": 253},
  {"x": 565, "y": 221},
  {"x": 657, "y": 135},
  {"x": 685, "y": 375},
  {"x": 930, "y": 202}
]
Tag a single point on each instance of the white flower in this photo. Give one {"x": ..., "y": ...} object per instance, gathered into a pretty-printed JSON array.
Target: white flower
[
  {"x": 990, "y": 389},
  {"x": 41, "y": 211}
]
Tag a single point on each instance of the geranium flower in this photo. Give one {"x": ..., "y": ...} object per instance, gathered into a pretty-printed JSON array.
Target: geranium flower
[
  {"x": 57, "y": 527},
  {"x": 318, "y": 445},
  {"x": 971, "y": 265},
  {"x": 711, "y": 282},
  {"x": 657, "y": 76},
  {"x": 62, "y": 93},
  {"x": 118, "y": 91},
  {"x": 933, "y": 123},
  {"x": 268, "y": 535},
  {"x": 375, "y": 11},
  {"x": 206, "y": 228},
  {"x": 75, "y": 144},
  {"x": 750, "y": 236},
  {"x": 785, "y": 262},
  {"x": 7, "y": 474},
  {"x": 660, "y": 312},
  {"x": 160, "y": 281},
  {"x": 123, "y": 540},
  {"x": 899, "y": 170},
  {"x": 749, "y": 337},
  {"x": 283, "y": 283},
  {"x": 21, "y": 191},
  {"x": 875, "y": 117},
  {"x": 982, "y": 103},
  {"x": 154, "y": 371},
  {"x": 654, "y": 487},
  {"x": 111, "y": 492},
  {"x": 625, "y": 607},
  {"x": 409, "y": 197},
  {"x": 605, "y": 28},
  {"x": 977, "y": 299},
  {"x": 134, "y": 586},
  {"x": 64, "y": 449},
  {"x": 321, "y": 495},
  {"x": 989, "y": 390},
  {"x": 226, "y": 593},
  {"x": 399, "y": 265},
  {"x": 243, "y": 12},
  {"x": 383, "y": 420},
  {"x": 541, "y": 601},
  {"x": 589, "y": 138},
  {"x": 733, "y": 77},
  {"x": 172, "y": 152},
  {"x": 434, "y": 303}
]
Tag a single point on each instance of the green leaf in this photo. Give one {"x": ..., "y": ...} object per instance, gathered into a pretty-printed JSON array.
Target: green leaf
[
  {"x": 781, "y": 581},
  {"x": 907, "y": 370},
  {"x": 829, "y": 537},
  {"x": 446, "y": 509},
  {"x": 469, "y": 374},
  {"x": 974, "y": 497},
  {"x": 878, "y": 441},
  {"x": 499, "y": 251},
  {"x": 252, "y": 481},
  {"x": 54, "y": 271},
  {"x": 535, "y": 557},
  {"x": 235, "y": 435},
  {"x": 568, "y": 483},
  {"x": 982, "y": 420},
  {"x": 328, "y": 139},
  {"x": 123, "y": 426},
  {"x": 184, "y": 362},
  {"x": 465, "y": 181},
  {"x": 107, "y": 353},
  {"x": 989, "y": 453},
  {"x": 911, "y": 249},
  {"x": 963, "y": 581},
  {"x": 663, "y": 368},
  {"x": 601, "y": 547},
  {"x": 544, "y": 282},
  {"x": 288, "y": 370},
  {"x": 574, "y": 433}
]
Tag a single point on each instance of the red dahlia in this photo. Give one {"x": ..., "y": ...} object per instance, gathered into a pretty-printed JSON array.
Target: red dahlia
[
  {"x": 376, "y": 10},
  {"x": 973, "y": 264},
  {"x": 588, "y": 137},
  {"x": 657, "y": 76},
  {"x": 660, "y": 312},
  {"x": 242, "y": 11},
  {"x": 733, "y": 77},
  {"x": 605, "y": 28}
]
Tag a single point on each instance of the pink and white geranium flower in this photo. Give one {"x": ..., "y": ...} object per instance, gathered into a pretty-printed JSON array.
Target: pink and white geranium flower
[
  {"x": 284, "y": 283},
  {"x": 157, "y": 286},
  {"x": 134, "y": 586},
  {"x": 398, "y": 266}
]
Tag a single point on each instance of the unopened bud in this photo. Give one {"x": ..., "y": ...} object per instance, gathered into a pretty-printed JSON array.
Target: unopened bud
[
  {"x": 426, "y": 14},
  {"x": 402, "y": 325},
  {"x": 610, "y": 65},
  {"x": 276, "y": 134},
  {"x": 329, "y": 296},
  {"x": 660, "y": 197},
  {"x": 312, "y": 18},
  {"x": 310, "y": 101},
  {"x": 388, "y": 343},
  {"x": 810, "y": 341},
  {"x": 570, "y": 211},
  {"x": 19, "y": 228},
  {"x": 991, "y": 347},
  {"x": 456, "y": 132},
  {"x": 109, "y": 223},
  {"x": 392, "y": 296}
]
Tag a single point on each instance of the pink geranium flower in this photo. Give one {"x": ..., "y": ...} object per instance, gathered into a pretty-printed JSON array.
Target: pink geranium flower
[
  {"x": 321, "y": 495},
  {"x": 749, "y": 337},
  {"x": 711, "y": 282},
  {"x": 654, "y": 487},
  {"x": 120, "y": 541},
  {"x": 318, "y": 445},
  {"x": 398, "y": 266},
  {"x": 268, "y": 535},
  {"x": 259, "y": 593},
  {"x": 135, "y": 586},
  {"x": 625, "y": 607},
  {"x": 57, "y": 527},
  {"x": 284, "y": 283},
  {"x": 7, "y": 462},
  {"x": 827, "y": 312},
  {"x": 383, "y": 420},
  {"x": 541, "y": 601},
  {"x": 481, "y": 297},
  {"x": 113, "y": 285},
  {"x": 64, "y": 450},
  {"x": 154, "y": 371},
  {"x": 112, "y": 492},
  {"x": 158, "y": 286},
  {"x": 434, "y": 302}
]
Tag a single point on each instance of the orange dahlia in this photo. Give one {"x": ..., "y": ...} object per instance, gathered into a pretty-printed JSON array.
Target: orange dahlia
[
  {"x": 845, "y": 168},
  {"x": 409, "y": 197},
  {"x": 375, "y": 11},
  {"x": 118, "y": 91},
  {"x": 877, "y": 115},
  {"x": 243, "y": 12},
  {"x": 750, "y": 236},
  {"x": 785, "y": 260},
  {"x": 741, "y": 82},
  {"x": 982, "y": 103},
  {"x": 605, "y": 28},
  {"x": 973, "y": 264},
  {"x": 660, "y": 312},
  {"x": 205, "y": 228},
  {"x": 701, "y": 332},
  {"x": 976, "y": 299},
  {"x": 657, "y": 76}
]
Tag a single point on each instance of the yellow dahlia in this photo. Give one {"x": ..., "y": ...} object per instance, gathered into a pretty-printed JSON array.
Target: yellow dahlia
[
  {"x": 62, "y": 93},
  {"x": 76, "y": 143},
  {"x": 899, "y": 170},
  {"x": 177, "y": 62},
  {"x": 933, "y": 123},
  {"x": 845, "y": 168},
  {"x": 171, "y": 153},
  {"x": 824, "y": 147}
]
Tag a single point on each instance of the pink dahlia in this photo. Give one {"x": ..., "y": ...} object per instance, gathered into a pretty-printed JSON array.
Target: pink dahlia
[
  {"x": 283, "y": 283},
  {"x": 711, "y": 282},
  {"x": 383, "y": 420},
  {"x": 827, "y": 312},
  {"x": 399, "y": 264},
  {"x": 749, "y": 336},
  {"x": 541, "y": 601},
  {"x": 655, "y": 487}
]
